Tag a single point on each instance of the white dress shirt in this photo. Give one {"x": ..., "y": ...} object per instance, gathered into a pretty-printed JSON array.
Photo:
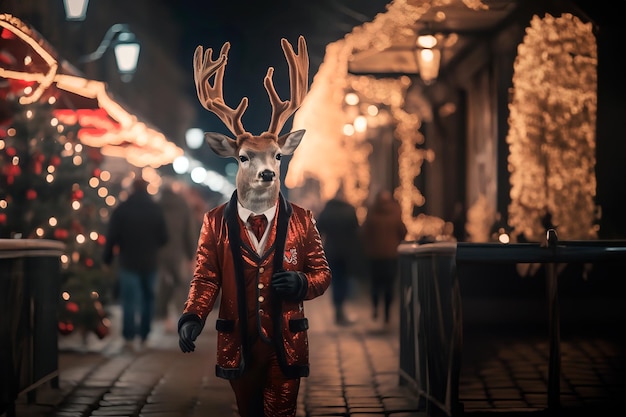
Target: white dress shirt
[{"x": 244, "y": 213}]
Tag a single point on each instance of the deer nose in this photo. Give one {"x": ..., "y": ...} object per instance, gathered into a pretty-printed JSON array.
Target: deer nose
[{"x": 267, "y": 175}]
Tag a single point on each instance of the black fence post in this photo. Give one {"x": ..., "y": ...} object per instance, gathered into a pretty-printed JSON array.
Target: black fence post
[{"x": 29, "y": 297}]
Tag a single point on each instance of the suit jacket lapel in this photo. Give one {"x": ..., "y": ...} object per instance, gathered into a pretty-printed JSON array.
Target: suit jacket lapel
[{"x": 234, "y": 239}]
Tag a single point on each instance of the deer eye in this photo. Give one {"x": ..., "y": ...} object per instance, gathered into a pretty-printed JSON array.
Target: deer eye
[
  {"x": 243, "y": 158},
  {"x": 279, "y": 156}
]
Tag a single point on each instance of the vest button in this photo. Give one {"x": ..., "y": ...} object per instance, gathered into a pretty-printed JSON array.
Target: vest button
[
  {"x": 260, "y": 286},
  {"x": 261, "y": 269},
  {"x": 261, "y": 298}
]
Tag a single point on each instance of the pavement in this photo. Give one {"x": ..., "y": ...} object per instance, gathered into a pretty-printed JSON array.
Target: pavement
[{"x": 354, "y": 372}]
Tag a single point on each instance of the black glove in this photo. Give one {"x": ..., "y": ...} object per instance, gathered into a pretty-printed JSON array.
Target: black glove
[
  {"x": 188, "y": 333},
  {"x": 290, "y": 284}
]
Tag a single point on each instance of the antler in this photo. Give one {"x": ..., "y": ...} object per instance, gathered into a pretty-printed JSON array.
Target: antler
[
  {"x": 212, "y": 96},
  {"x": 298, "y": 82}
]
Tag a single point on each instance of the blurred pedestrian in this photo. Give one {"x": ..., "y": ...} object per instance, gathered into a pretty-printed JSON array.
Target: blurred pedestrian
[
  {"x": 174, "y": 259},
  {"x": 382, "y": 231},
  {"x": 458, "y": 222},
  {"x": 338, "y": 226},
  {"x": 136, "y": 231}
]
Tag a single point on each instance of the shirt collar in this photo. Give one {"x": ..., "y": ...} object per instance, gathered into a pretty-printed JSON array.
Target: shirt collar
[{"x": 244, "y": 213}]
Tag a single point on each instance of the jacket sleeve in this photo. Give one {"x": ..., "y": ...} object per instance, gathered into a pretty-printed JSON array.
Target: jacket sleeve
[{"x": 316, "y": 267}]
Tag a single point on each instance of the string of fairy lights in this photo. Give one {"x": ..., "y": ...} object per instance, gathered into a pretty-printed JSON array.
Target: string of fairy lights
[
  {"x": 552, "y": 129},
  {"x": 72, "y": 150},
  {"x": 551, "y": 134}
]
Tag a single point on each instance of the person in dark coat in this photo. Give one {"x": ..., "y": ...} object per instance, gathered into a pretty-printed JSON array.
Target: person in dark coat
[
  {"x": 383, "y": 230},
  {"x": 338, "y": 225},
  {"x": 136, "y": 231},
  {"x": 175, "y": 268}
]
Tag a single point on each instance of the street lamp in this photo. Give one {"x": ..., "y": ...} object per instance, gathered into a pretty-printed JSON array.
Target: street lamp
[
  {"x": 75, "y": 10},
  {"x": 428, "y": 57},
  {"x": 428, "y": 49},
  {"x": 125, "y": 46}
]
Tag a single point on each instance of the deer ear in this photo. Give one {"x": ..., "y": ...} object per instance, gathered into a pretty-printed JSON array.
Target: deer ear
[
  {"x": 290, "y": 141},
  {"x": 221, "y": 144}
]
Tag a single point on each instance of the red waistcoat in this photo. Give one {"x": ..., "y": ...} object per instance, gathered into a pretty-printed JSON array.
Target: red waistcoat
[{"x": 227, "y": 261}]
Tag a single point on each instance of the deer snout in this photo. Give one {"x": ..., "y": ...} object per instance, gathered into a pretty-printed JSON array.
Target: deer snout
[{"x": 267, "y": 175}]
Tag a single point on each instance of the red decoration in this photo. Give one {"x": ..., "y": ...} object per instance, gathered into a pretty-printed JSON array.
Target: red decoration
[
  {"x": 55, "y": 160},
  {"x": 102, "y": 330},
  {"x": 78, "y": 195},
  {"x": 31, "y": 194},
  {"x": 3, "y": 218},
  {"x": 89, "y": 262},
  {"x": 38, "y": 160},
  {"x": 61, "y": 234},
  {"x": 97, "y": 172},
  {"x": 65, "y": 327},
  {"x": 6, "y": 34},
  {"x": 11, "y": 171},
  {"x": 101, "y": 240},
  {"x": 72, "y": 307}
]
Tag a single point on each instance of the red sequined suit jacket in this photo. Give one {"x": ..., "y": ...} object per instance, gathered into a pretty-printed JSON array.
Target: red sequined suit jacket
[{"x": 248, "y": 307}]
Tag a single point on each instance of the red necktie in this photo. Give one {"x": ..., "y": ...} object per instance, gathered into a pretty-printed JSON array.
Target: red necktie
[{"x": 258, "y": 224}]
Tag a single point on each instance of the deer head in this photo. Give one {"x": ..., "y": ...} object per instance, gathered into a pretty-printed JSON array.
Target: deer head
[{"x": 257, "y": 181}]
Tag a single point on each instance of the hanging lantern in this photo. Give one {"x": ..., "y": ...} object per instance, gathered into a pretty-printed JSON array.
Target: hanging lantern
[{"x": 75, "y": 10}]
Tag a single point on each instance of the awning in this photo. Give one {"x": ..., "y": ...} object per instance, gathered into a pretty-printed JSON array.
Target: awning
[{"x": 33, "y": 72}]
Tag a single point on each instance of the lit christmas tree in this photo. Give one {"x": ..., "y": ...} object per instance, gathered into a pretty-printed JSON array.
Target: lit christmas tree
[{"x": 52, "y": 187}]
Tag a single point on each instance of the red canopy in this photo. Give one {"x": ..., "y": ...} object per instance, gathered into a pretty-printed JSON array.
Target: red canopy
[{"x": 31, "y": 71}]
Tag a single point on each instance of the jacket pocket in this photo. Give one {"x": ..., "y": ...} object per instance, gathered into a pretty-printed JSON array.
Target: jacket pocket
[
  {"x": 224, "y": 325},
  {"x": 298, "y": 325}
]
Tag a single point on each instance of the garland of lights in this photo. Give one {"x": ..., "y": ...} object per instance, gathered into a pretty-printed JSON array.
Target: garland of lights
[
  {"x": 388, "y": 92},
  {"x": 552, "y": 130},
  {"x": 551, "y": 137},
  {"x": 132, "y": 139},
  {"x": 411, "y": 157},
  {"x": 324, "y": 154}
]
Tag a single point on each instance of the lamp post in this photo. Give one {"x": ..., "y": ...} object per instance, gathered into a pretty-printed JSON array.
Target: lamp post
[
  {"x": 428, "y": 57},
  {"x": 126, "y": 49}
]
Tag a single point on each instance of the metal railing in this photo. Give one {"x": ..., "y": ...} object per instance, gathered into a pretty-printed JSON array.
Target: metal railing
[
  {"x": 551, "y": 253},
  {"x": 431, "y": 325},
  {"x": 29, "y": 296}
]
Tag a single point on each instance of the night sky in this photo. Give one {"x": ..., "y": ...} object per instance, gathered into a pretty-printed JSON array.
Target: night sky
[{"x": 254, "y": 29}]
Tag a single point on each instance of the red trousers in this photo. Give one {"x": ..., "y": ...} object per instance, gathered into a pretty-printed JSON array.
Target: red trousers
[{"x": 263, "y": 390}]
